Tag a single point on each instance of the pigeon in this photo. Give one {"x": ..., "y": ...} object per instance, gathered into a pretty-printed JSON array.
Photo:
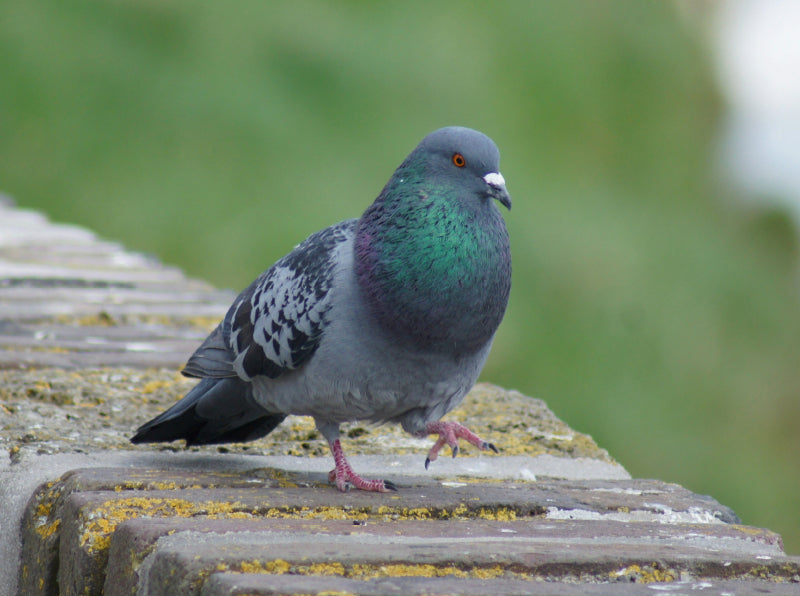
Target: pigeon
[{"x": 388, "y": 318}]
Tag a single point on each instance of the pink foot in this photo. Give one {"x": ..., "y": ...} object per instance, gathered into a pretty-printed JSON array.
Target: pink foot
[
  {"x": 449, "y": 434},
  {"x": 344, "y": 477}
]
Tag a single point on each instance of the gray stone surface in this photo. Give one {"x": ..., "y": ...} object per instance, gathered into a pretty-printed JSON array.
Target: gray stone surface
[
  {"x": 91, "y": 339},
  {"x": 143, "y": 528},
  {"x": 141, "y": 469},
  {"x": 71, "y": 300},
  {"x": 327, "y": 545},
  {"x": 238, "y": 584},
  {"x": 181, "y": 564}
]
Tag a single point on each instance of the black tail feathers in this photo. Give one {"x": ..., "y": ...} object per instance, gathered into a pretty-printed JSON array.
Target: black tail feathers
[{"x": 214, "y": 411}]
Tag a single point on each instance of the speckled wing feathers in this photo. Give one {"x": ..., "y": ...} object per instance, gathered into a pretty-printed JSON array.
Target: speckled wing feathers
[{"x": 276, "y": 324}]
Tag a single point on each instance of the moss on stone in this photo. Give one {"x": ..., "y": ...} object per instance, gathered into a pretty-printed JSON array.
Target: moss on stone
[{"x": 100, "y": 409}]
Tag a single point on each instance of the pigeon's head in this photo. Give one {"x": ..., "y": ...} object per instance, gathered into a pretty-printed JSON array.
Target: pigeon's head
[{"x": 464, "y": 158}]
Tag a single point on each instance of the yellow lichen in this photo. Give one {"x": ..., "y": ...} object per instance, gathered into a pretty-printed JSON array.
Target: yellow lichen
[
  {"x": 415, "y": 513},
  {"x": 43, "y": 525},
  {"x": 165, "y": 485},
  {"x": 335, "y": 513},
  {"x": 47, "y": 530},
  {"x": 499, "y": 514},
  {"x": 102, "y": 521},
  {"x": 276, "y": 567},
  {"x": 153, "y": 386},
  {"x": 646, "y": 575},
  {"x": 460, "y": 511},
  {"x": 302, "y": 424},
  {"x": 364, "y": 571},
  {"x": 323, "y": 569},
  {"x": 487, "y": 572},
  {"x": 748, "y": 530},
  {"x": 761, "y": 572},
  {"x": 254, "y": 566},
  {"x": 401, "y": 570},
  {"x": 283, "y": 478}
]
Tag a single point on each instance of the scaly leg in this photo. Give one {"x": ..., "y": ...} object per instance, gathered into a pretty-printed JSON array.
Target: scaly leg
[
  {"x": 449, "y": 434},
  {"x": 344, "y": 477}
]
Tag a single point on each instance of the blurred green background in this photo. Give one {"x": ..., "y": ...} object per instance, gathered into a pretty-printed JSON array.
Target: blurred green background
[{"x": 646, "y": 310}]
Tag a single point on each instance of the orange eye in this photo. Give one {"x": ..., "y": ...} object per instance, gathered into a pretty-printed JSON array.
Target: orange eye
[{"x": 458, "y": 160}]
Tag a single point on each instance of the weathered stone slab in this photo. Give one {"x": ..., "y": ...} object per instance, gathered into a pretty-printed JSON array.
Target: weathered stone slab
[
  {"x": 138, "y": 534},
  {"x": 50, "y": 404},
  {"x": 628, "y": 500},
  {"x": 181, "y": 564},
  {"x": 56, "y": 279},
  {"x": 253, "y": 584},
  {"x": 137, "y": 539},
  {"x": 68, "y": 526},
  {"x": 56, "y": 509}
]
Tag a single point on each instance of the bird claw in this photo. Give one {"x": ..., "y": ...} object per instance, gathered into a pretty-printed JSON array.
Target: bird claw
[
  {"x": 346, "y": 479},
  {"x": 350, "y": 480},
  {"x": 449, "y": 434}
]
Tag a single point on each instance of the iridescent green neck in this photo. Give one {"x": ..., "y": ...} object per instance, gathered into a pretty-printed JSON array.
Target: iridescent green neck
[{"x": 433, "y": 268}]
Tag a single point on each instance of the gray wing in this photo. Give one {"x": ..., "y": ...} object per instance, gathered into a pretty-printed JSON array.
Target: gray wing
[{"x": 276, "y": 324}]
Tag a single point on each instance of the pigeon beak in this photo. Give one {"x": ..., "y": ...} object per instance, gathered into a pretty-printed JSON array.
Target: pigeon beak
[{"x": 497, "y": 188}]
